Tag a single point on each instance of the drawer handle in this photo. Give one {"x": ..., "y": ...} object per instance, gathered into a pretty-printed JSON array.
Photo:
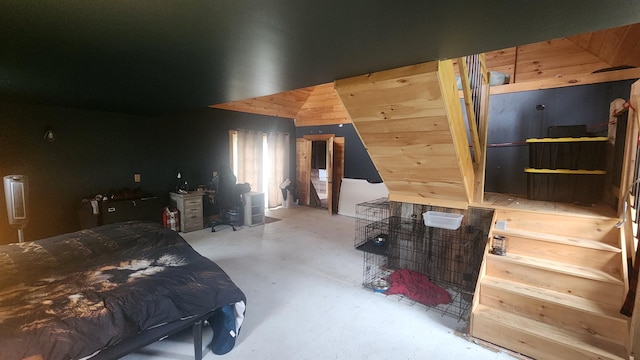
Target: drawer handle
[{"x": 111, "y": 209}]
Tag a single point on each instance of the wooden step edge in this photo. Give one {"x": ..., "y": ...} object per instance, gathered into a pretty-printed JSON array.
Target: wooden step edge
[
  {"x": 558, "y": 239},
  {"x": 556, "y": 266},
  {"x": 562, "y": 299},
  {"x": 600, "y": 347}
]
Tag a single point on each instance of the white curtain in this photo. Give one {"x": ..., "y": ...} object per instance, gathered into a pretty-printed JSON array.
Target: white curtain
[
  {"x": 249, "y": 159},
  {"x": 278, "y": 149},
  {"x": 251, "y": 162}
]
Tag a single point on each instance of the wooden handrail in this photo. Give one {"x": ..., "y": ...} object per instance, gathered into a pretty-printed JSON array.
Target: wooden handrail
[{"x": 470, "y": 107}]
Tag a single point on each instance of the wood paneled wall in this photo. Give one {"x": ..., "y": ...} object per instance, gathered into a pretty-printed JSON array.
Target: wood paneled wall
[
  {"x": 617, "y": 46},
  {"x": 311, "y": 106},
  {"x": 554, "y": 58},
  {"x": 285, "y": 104},
  {"x": 323, "y": 107},
  {"x": 411, "y": 124}
]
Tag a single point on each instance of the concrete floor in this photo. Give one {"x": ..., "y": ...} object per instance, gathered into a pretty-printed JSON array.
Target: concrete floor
[{"x": 302, "y": 278}]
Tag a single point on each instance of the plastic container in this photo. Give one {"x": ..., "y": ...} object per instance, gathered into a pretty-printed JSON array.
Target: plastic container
[{"x": 442, "y": 220}]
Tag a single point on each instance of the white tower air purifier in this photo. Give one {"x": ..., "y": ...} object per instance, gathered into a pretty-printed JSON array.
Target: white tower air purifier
[{"x": 16, "y": 194}]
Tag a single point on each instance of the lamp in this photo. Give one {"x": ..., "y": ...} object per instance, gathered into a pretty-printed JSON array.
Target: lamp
[{"x": 49, "y": 135}]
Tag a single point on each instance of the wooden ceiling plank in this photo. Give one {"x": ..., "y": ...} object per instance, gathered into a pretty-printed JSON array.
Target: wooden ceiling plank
[
  {"x": 581, "y": 40},
  {"x": 596, "y": 41},
  {"x": 405, "y": 90},
  {"x": 433, "y": 123},
  {"x": 583, "y": 79},
  {"x": 396, "y": 112},
  {"x": 627, "y": 41},
  {"x": 424, "y": 177},
  {"x": 412, "y": 149},
  {"x": 427, "y": 166},
  {"x": 322, "y": 107},
  {"x": 633, "y": 57},
  {"x": 410, "y": 158},
  {"x": 558, "y": 58},
  {"x": 503, "y": 61},
  {"x": 416, "y": 199},
  {"x": 562, "y": 73},
  {"x": 360, "y": 82},
  {"x": 442, "y": 187},
  {"x": 397, "y": 138},
  {"x": 545, "y": 49},
  {"x": 499, "y": 58},
  {"x": 285, "y": 104},
  {"x": 425, "y": 191},
  {"x": 612, "y": 38}
]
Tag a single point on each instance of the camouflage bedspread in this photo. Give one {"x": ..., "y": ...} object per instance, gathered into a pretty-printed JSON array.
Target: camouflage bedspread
[{"x": 68, "y": 296}]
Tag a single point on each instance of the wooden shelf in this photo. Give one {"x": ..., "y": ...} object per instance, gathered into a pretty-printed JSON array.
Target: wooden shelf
[
  {"x": 567, "y": 139},
  {"x": 564, "y": 171}
]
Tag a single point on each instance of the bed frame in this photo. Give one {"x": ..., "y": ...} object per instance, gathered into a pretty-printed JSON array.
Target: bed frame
[{"x": 150, "y": 336}]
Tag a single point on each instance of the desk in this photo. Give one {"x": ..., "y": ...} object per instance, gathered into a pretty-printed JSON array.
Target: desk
[{"x": 190, "y": 207}]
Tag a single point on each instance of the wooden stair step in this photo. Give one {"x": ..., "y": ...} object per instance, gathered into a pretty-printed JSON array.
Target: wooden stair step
[
  {"x": 572, "y": 312},
  {"x": 562, "y": 277},
  {"x": 576, "y": 251},
  {"x": 559, "y": 239},
  {"x": 586, "y": 305},
  {"x": 539, "y": 340},
  {"x": 597, "y": 228},
  {"x": 560, "y": 267}
]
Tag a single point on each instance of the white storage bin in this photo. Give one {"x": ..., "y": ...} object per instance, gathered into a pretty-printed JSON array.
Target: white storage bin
[{"x": 442, "y": 220}]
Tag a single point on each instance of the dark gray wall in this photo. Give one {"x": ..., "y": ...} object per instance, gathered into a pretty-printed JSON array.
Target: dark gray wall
[
  {"x": 357, "y": 163},
  {"x": 513, "y": 118},
  {"x": 99, "y": 152},
  {"x": 204, "y": 138},
  {"x": 149, "y": 57}
]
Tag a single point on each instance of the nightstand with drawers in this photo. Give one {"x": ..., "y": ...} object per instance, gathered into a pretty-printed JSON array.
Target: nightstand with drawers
[{"x": 190, "y": 207}]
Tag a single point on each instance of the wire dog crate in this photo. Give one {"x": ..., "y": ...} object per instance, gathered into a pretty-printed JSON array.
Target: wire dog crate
[
  {"x": 450, "y": 259},
  {"x": 372, "y": 232}
]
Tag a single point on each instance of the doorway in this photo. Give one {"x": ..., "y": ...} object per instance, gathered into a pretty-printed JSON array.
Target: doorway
[
  {"x": 319, "y": 170},
  {"x": 319, "y": 177}
]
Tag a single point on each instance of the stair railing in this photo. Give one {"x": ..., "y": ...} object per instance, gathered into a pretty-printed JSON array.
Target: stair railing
[{"x": 474, "y": 79}]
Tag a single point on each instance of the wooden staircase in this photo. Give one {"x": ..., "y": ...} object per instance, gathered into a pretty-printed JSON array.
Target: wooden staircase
[
  {"x": 557, "y": 292},
  {"x": 412, "y": 125}
]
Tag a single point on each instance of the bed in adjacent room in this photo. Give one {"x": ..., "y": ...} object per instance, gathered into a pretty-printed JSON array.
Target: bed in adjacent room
[{"x": 103, "y": 292}]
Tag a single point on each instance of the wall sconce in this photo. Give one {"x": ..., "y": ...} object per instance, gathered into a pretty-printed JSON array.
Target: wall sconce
[{"x": 49, "y": 135}]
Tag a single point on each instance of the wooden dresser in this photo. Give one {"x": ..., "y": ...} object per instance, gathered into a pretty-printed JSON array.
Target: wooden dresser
[{"x": 190, "y": 207}]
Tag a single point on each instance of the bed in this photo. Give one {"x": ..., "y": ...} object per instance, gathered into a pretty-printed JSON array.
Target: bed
[{"x": 103, "y": 292}]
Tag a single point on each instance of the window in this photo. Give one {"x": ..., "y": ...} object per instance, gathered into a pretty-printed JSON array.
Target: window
[{"x": 262, "y": 160}]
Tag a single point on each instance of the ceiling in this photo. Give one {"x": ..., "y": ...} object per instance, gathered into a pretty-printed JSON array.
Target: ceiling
[
  {"x": 150, "y": 58},
  {"x": 559, "y": 62}
]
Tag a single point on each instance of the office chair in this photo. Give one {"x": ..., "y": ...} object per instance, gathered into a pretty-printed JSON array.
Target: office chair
[{"x": 228, "y": 200}]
